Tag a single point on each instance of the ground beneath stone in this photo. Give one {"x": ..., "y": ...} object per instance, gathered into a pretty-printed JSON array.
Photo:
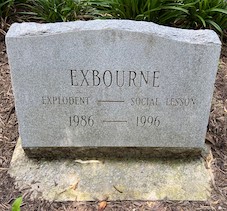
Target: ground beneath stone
[{"x": 216, "y": 138}]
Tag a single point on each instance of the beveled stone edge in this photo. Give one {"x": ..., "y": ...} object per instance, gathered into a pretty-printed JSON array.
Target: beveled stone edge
[
  {"x": 30, "y": 29},
  {"x": 113, "y": 152}
]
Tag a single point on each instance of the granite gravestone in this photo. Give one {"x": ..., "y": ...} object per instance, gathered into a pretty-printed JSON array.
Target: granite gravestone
[{"x": 111, "y": 86}]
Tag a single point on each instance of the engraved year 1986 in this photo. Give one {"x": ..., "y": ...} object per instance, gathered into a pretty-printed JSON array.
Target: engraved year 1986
[
  {"x": 147, "y": 121},
  {"x": 83, "y": 121}
]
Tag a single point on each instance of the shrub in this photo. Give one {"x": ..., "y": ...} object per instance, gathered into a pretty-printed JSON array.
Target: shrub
[
  {"x": 59, "y": 10},
  {"x": 9, "y": 7},
  {"x": 8, "y": 13},
  {"x": 192, "y": 14},
  {"x": 210, "y": 14},
  {"x": 6, "y": 6}
]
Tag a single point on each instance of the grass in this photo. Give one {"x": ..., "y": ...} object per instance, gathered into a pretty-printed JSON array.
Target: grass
[
  {"x": 204, "y": 14},
  {"x": 8, "y": 8},
  {"x": 190, "y": 14},
  {"x": 59, "y": 10}
]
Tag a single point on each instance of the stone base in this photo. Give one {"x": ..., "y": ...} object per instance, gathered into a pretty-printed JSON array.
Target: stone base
[
  {"x": 115, "y": 179},
  {"x": 112, "y": 152}
]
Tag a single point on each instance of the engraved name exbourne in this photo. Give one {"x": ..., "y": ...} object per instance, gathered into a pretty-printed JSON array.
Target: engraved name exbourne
[{"x": 109, "y": 78}]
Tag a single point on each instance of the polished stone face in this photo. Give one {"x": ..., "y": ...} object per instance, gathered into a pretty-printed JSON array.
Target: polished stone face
[{"x": 112, "y": 83}]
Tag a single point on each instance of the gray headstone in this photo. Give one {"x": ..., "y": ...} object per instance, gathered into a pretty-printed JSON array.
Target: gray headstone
[{"x": 112, "y": 83}]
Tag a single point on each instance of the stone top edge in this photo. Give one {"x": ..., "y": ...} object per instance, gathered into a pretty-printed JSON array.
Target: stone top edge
[{"x": 31, "y": 29}]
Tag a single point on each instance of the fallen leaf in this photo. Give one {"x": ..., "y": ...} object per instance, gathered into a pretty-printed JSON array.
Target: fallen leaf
[
  {"x": 225, "y": 106},
  {"x": 156, "y": 206},
  {"x": 215, "y": 202},
  {"x": 102, "y": 205},
  {"x": 210, "y": 138},
  {"x": 151, "y": 204},
  {"x": 87, "y": 161},
  {"x": 117, "y": 189},
  {"x": 74, "y": 186}
]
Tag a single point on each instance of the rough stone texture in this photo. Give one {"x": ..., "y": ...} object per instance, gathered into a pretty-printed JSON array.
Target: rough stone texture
[
  {"x": 168, "y": 83},
  {"x": 124, "y": 179},
  {"x": 113, "y": 152}
]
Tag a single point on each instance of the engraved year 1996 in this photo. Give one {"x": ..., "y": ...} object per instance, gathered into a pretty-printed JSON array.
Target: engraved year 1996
[
  {"x": 147, "y": 121},
  {"x": 83, "y": 121}
]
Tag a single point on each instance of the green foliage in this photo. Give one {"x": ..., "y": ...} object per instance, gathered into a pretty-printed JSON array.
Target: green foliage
[
  {"x": 194, "y": 14},
  {"x": 9, "y": 7},
  {"x": 210, "y": 14},
  {"x": 158, "y": 11},
  {"x": 59, "y": 10},
  {"x": 16, "y": 204},
  {"x": 6, "y": 7}
]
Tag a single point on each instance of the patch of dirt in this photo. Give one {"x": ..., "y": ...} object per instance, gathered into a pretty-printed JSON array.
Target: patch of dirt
[{"x": 216, "y": 137}]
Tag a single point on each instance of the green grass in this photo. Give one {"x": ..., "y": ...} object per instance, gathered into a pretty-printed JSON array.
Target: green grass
[
  {"x": 204, "y": 14},
  {"x": 190, "y": 14},
  {"x": 155, "y": 11},
  {"x": 8, "y": 8},
  {"x": 59, "y": 10}
]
